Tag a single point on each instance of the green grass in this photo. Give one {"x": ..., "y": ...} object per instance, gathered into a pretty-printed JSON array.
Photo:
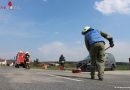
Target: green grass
[
  {"x": 70, "y": 66},
  {"x": 123, "y": 67}
]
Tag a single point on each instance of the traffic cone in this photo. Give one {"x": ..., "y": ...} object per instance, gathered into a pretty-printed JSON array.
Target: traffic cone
[{"x": 61, "y": 67}]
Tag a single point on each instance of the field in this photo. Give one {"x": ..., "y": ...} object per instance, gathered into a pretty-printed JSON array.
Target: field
[
  {"x": 72, "y": 65},
  {"x": 123, "y": 66}
]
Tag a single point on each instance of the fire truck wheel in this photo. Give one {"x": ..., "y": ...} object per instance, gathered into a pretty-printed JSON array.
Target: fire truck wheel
[{"x": 16, "y": 66}]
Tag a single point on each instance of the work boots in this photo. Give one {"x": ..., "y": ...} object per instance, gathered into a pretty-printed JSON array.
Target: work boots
[
  {"x": 100, "y": 76},
  {"x": 101, "y": 79}
]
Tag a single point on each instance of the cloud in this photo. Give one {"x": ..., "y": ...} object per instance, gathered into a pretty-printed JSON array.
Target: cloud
[
  {"x": 78, "y": 42},
  {"x": 56, "y": 33},
  {"x": 44, "y": 0},
  {"x": 21, "y": 29},
  {"x": 121, "y": 51},
  {"x": 113, "y": 6},
  {"x": 53, "y": 50}
]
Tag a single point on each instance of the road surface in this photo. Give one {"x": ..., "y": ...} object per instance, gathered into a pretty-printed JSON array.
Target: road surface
[{"x": 38, "y": 79}]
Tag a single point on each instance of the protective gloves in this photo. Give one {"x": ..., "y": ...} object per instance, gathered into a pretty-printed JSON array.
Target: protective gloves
[{"x": 111, "y": 42}]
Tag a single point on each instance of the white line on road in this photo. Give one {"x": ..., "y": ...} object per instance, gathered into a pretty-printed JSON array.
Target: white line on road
[{"x": 64, "y": 77}]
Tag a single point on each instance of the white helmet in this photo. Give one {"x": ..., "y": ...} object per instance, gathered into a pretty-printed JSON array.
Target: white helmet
[
  {"x": 20, "y": 51},
  {"x": 27, "y": 52},
  {"x": 85, "y": 29}
]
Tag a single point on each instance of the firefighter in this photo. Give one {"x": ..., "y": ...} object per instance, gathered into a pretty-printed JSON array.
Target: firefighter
[
  {"x": 27, "y": 60},
  {"x": 95, "y": 44},
  {"x": 62, "y": 61}
]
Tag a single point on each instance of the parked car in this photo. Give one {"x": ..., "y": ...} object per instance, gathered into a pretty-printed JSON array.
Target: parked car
[{"x": 110, "y": 63}]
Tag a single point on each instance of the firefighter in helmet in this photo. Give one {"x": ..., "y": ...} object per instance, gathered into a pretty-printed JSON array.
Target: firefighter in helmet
[
  {"x": 95, "y": 44},
  {"x": 27, "y": 60},
  {"x": 62, "y": 61}
]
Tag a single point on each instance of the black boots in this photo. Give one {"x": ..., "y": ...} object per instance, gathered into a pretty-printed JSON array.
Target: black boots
[
  {"x": 101, "y": 79},
  {"x": 93, "y": 77}
]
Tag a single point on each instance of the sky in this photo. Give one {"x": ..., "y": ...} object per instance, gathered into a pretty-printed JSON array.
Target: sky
[{"x": 49, "y": 28}]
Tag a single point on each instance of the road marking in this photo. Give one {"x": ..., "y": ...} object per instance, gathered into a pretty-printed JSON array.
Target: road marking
[{"x": 64, "y": 77}]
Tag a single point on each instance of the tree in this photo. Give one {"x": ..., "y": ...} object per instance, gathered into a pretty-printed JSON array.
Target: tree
[{"x": 36, "y": 62}]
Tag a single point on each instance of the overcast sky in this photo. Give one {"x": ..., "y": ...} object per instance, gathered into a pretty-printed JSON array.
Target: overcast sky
[{"x": 48, "y": 28}]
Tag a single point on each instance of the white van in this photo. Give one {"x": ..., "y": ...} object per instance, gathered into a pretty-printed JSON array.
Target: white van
[{"x": 110, "y": 63}]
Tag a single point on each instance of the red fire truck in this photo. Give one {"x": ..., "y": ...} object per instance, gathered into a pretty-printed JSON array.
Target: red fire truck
[{"x": 20, "y": 59}]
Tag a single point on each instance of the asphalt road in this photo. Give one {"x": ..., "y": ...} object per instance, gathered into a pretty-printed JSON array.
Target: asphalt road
[{"x": 34, "y": 79}]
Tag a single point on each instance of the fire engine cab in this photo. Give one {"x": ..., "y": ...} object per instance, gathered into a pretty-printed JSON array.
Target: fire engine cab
[{"x": 20, "y": 59}]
